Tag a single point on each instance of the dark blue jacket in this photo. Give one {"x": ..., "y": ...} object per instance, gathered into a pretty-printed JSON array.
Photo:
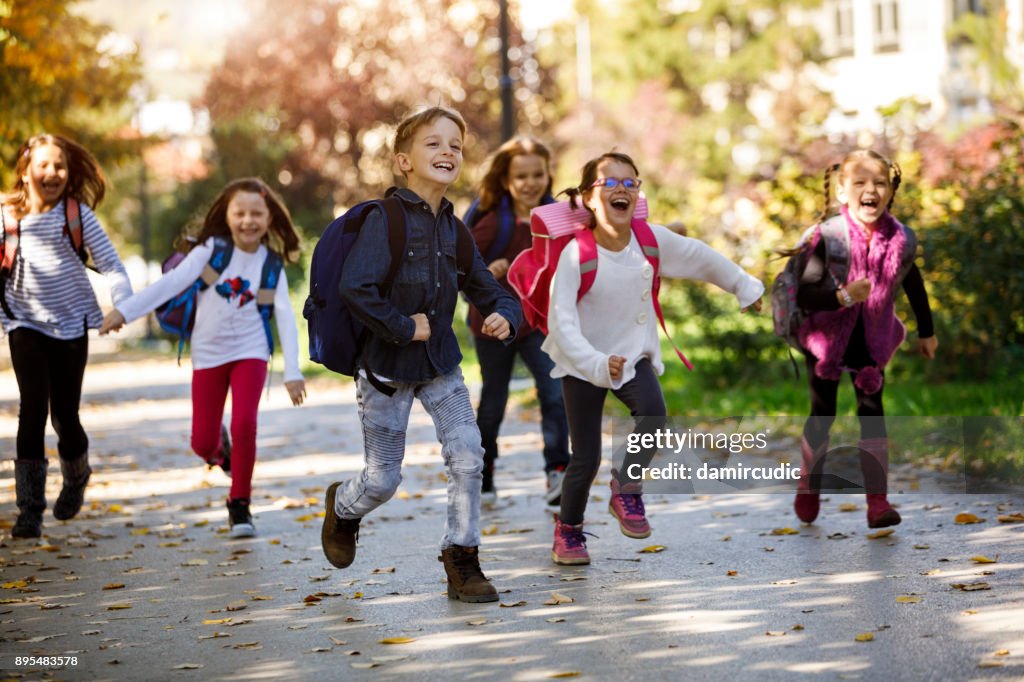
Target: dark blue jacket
[{"x": 425, "y": 283}]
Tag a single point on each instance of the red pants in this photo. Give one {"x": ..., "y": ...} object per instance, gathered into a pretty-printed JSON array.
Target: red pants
[{"x": 209, "y": 392}]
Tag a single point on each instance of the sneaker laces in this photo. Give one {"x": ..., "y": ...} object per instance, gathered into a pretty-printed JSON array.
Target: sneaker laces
[
  {"x": 573, "y": 537},
  {"x": 633, "y": 503}
]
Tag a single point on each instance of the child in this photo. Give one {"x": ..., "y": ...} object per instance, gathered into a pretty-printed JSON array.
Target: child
[
  {"x": 609, "y": 339},
  {"x": 48, "y": 306},
  {"x": 852, "y": 327},
  {"x": 517, "y": 180},
  {"x": 229, "y": 343},
  {"x": 412, "y": 348}
]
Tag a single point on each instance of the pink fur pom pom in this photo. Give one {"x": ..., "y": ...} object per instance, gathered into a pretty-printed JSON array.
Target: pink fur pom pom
[{"x": 869, "y": 380}]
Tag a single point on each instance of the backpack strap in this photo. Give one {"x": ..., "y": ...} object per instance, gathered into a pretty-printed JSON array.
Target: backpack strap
[
  {"x": 219, "y": 258},
  {"x": 588, "y": 261},
  {"x": 836, "y": 234},
  {"x": 9, "y": 239},
  {"x": 649, "y": 245},
  {"x": 73, "y": 227},
  {"x": 506, "y": 225},
  {"x": 269, "y": 277}
]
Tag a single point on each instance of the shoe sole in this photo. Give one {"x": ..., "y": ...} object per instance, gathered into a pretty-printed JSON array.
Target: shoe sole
[
  {"x": 578, "y": 561},
  {"x": 332, "y": 490},
  {"x": 243, "y": 530},
  {"x": 625, "y": 530},
  {"x": 471, "y": 598},
  {"x": 890, "y": 517}
]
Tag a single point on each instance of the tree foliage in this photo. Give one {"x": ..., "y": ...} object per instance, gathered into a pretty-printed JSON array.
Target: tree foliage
[{"x": 61, "y": 73}]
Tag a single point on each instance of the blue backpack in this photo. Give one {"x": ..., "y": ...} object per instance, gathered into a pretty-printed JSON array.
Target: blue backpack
[
  {"x": 178, "y": 315},
  {"x": 335, "y": 335}
]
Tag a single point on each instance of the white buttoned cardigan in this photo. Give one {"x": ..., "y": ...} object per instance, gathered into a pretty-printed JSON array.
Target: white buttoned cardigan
[{"x": 616, "y": 317}]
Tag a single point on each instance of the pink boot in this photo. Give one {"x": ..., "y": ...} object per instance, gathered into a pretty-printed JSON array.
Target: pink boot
[
  {"x": 808, "y": 500},
  {"x": 874, "y": 463}
]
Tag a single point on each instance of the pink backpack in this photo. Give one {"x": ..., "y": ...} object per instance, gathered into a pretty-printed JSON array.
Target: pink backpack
[{"x": 553, "y": 226}]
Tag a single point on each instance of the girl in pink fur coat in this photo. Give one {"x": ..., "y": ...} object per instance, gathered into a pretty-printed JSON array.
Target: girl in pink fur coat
[{"x": 851, "y": 326}]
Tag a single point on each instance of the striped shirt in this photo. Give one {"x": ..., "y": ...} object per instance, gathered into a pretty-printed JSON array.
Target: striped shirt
[{"x": 48, "y": 289}]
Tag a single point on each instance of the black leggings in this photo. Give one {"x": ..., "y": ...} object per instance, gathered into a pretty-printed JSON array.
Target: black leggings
[
  {"x": 824, "y": 393},
  {"x": 584, "y": 404},
  {"x": 49, "y": 373}
]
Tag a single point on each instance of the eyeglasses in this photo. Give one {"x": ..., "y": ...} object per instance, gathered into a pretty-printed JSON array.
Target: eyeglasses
[{"x": 629, "y": 184}]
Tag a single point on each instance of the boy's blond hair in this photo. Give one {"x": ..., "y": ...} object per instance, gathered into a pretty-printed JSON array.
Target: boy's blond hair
[{"x": 412, "y": 122}]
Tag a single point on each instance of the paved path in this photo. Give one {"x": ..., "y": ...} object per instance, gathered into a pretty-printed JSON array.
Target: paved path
[{"x": 146, "y": 584}]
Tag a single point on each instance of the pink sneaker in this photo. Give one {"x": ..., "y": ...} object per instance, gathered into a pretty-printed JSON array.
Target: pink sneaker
[
  {"x": 628, "y": 508},
  {"x": 570, "y": 548}
]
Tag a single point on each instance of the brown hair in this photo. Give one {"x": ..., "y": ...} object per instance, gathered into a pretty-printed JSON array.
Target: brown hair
[
  {"x": 895, "y": 175},
  {"x": 216, "y": 222},
  {"x": 495, "y": 182},
  {"x": 589, "y": 176},
  {"x": 86, "y": 181},
  {"x": 412, "y": 122}
]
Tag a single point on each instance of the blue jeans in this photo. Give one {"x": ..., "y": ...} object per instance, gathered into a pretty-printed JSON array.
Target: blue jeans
[
  {"x": 496, "y": 363},
  {"x": 385, "y": 420}
]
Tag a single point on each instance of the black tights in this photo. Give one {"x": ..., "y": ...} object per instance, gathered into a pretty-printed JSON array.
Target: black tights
[
  {"x": 823, "y": 408},
  {"x": 49, "y": 373}
]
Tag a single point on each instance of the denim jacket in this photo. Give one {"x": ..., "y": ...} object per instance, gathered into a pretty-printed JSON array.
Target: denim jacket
[{"x": 426, "y": 282}]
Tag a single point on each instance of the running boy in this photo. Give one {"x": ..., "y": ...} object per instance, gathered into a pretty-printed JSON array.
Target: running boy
[{"x": 412, "y": 349}]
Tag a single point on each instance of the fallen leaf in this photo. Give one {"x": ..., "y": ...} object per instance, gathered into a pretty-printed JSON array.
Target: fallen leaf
[
  {"x": 934, "y": 571},
  {"x": 1016, "y": 517},
  {"x": 311, "y": 599},
  {"x": 732, "y": 572},
  {"x": 397, "y": 640},
  {"x": 188, "y": 666},
  {"x": 797, "y": 627},
  {"x": 652, "y": 549},
  {"x": 884, "y": 533},
  {"x": 971, "y": 587},
  {"x": 965, "y": 518},
  {"x": 261, "y": 597},
  {"x": 573, "y": 578},
  {"x": 320, "y": 650},
  {"x": 196, "y": 562},
  {"x": 555, "y": 620},
  {"x": 984, "y": 559},
  {"x": 248, "y": 646},
  {"x": 776, "y": 633},
  {"x": 365, "y": 666},
  {"x": 562, "y": 676},
  {"x": 558, "y": 599},
  {"x": 299, "y": 626},
  {"x": 990, "y": 664},
  {"x": 864, "y": 637},
  {"x": 1002, "y": 652},
  {"x": 848, "y": 507},
  {"x": 304, "y": 518},
  {"x": 907, "y": 599},
  {"x": 215, "y": 635},
  {"x": 239, "y": 605},
  {"x": 477, "y": 621},
  {"x": 389, "y": 569},
  {"x": 118, "y": 607},
  {"x": 216, "y": 621},
  {"x": 512, "y": 606},
  {"x": 490, "y": 530},
  {"x": 922, "y": 546},
  {"x": 337, "y": 642},
  {"x": 785, "y": 531}
]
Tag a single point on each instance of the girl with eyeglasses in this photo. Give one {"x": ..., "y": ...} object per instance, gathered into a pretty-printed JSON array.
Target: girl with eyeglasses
[{"x": 608, "y": 340}]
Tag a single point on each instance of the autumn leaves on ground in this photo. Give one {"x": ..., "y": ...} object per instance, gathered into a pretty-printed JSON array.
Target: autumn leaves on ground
[{"x": 147, "y": 584}]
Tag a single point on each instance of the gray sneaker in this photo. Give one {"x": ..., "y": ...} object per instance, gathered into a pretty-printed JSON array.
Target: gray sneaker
[{"x": 554, "y": 494}]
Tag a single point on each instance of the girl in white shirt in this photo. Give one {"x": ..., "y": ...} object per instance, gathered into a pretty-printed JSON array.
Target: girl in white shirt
[
  {"x": 48, "y": 307},
  {"x": 608, "y": 340},
  {"x": 229, "y": 345}
]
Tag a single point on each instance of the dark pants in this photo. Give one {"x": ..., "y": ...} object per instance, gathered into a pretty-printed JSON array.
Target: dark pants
[
  {"x": 824, "y": 394},
  {"x": 49, "y": 373},
  {"x": 496, "y": 363},
  {"x": 584, "y": 404}
]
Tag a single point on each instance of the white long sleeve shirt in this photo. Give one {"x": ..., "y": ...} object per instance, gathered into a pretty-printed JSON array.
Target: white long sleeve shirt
[
  {"x": 49, "y": 289},
  {"x": 616, "y": 316},
  {"x": 228, "y": 325}
]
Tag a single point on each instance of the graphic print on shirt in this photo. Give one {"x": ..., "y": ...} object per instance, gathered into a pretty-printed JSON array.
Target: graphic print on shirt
[{"x": 236, "y": 288}]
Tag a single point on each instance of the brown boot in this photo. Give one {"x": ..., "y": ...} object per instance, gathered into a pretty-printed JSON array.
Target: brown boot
[
  {"x": 72, "y": 494},
  {"x": 338, "y": 536},
  {"x": 466, "y": 582}
]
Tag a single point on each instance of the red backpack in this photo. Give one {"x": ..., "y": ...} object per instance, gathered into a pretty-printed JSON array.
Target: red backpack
[{"x": 553, "y": 226}]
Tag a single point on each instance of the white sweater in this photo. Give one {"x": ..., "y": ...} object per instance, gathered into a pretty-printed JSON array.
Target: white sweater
[
  {"x": 228, "y": 325},
  {"x": 616, "y": 317},
  {"x": 49, "y": 290}
]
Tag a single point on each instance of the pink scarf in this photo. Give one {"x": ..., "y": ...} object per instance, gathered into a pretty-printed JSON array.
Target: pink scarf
[{"x": 826, "y": 333}]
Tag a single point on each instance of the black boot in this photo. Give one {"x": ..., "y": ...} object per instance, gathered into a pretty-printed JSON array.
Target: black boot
[
  {"x": 72, "y": 494},
  {"x": 30, "y": 490}
]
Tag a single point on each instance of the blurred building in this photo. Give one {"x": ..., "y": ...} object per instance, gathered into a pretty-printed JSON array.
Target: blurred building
[{"x": 884, "y": 51}]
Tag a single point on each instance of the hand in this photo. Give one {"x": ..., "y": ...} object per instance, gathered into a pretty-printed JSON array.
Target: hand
[
  {"x": 615, "y": 365},
  {"x": 296, "y": 390},
  {"x": 926, "y": 347},
  {"x": 859, "y": 290},
  {"x": 112, "y": 322},
  {"x": 496, "y": 326},
  {"x": 499, "y": 267},
  {"x": 756, "y": 305},
  {"x": 422, "y": 327}
]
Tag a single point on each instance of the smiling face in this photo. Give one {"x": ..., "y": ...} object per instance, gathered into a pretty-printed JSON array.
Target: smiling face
[
  {"x": 434, "y": 157},
  {"x": 865, "y": 188},
  {"x": 527, "y": 180},
  {"x": 612, "y": 207},
  {"x": 45, "y": 177},
  {"x": 248, "y": 219}
]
